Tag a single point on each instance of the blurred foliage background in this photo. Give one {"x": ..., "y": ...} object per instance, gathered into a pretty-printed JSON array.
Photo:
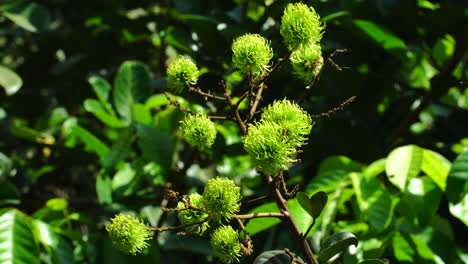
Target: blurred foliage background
[{"x": 71, "y": 155}]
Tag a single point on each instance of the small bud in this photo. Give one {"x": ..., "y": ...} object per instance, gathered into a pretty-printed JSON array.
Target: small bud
[
  {"x": 300, "y": 25},
  {"x": 181, "y": 72},
  {"x": 189, "y": 216},
  {"x": 307, "y": 62},
  {"x": 268, "y": 147},
  {"x": 295, "y": 123},
  {"x": 221, "y": 198},
  {"x": 128, "y": 234},
  {"x": 199, "y": 130},
  {"x": 225, "y": 244},
  {"x": 251, "y": 54}
]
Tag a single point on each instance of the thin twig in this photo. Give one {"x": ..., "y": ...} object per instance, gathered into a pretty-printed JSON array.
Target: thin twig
[
  {"x": 329, "y": 60},
  {"x": 259, "y": 215},
  {"x": 200, "y": 92},
  {"x": 254, "y": 200},
  {"x": 258, "y": 97},
  {"x": 335, "y": 110},
  {"x": 177, "y": 105},
  {"x": 173, "y": 228},
  {"x": 247, "y": 246},
  {"x": 234, "y": 108}
]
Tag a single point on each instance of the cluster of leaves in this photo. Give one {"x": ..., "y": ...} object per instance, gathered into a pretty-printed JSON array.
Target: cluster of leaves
[{"x": 120, "y": 149}]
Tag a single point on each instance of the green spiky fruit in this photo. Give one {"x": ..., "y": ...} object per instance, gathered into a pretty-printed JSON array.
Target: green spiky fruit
[
  {"x": 199, "y": 130},
  {"x": 128, "y": 234},
  {"x": 180, "y": 73},
  {"x": 307, "y": 62},
  {"x": 221, "y": 198},
  {"x": 300, "y": 26},
  {"x": 190, "y": 216},
  {"x": 225, "y": 244},
  {"x": 251, "y": 54}
]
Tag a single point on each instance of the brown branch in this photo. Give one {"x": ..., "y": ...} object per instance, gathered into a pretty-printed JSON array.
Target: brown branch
[
  {"x": 254, "y": 200},
  {"x": 234, "y": 108},
  {"x": 335, "y": 110},
  {"x": 294, "y": 258},
  {"x": 177, "y": 105},
  {"x": 289, "y": 219},
  {"x": 173, "y": 228},
  {"x": 259, "y": 215},
  {"x": 247, "y": 246},
  {"x": 258, "y": 97},
  {"x": 200, "y": 92}
]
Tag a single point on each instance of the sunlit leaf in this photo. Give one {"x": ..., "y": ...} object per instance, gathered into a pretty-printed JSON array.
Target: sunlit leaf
[
  {"x": 457, "y": 180},
  {"x": 30, "y": 16},
  {"x": 17, "y": 241},
  {"x": 336, "y": 244},
  {"x": 10, "y": 81},
  {"x": 404, "y": 163},
  {"x": 386, "y": 39},
  {"x": 273, "y": 257}
]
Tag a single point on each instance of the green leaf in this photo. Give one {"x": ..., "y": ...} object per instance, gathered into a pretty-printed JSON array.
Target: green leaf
[
  {"x": 92, "y": 143},
  {"x": 273, "y": 257},
  {"x": 313, "y": 205},
  {"x": 457, "y": 180},
  {"x": 335, "y": 15},
  {"x": 57, "y": 204},
  {"x": 102, "y": 89},
  {"x": 96, "y": 108},
  {"x": 402, "y": 249},
  {"x": 5, "y": 166},
  {"x": 9, "y": 194},
  {"x": 443, "y": 49},
  {"x": 56, "y": 245},
  {"x": 155, "y": 145},
  {"x": 436, "y": 167},
  {"x": 119, "y": 149},
  {"x": 382, "y": 36},
  {"x": 142, "y": 114},
  {"x": 328, "y": 216},
  {"x": 17, "y": 241},
  {"x": 326, "y": 181},
  {"x": 155, "y": 101},
  {"x": 10, "y": 81},
  {"x": 374, "y": 201},
  {"x": 336, "y": 244},
  {"x": 123, "y": 178},
  {"x": 404, "y": 163},
  {"x": 132, "y": 85},
  {"x": 104, "y": 188},
  {"x": 257, "y": 225},
  {"x": 460, "y": 210},
  {"x": 30, "y": 16},
  {"x": 339, "y": 163}
]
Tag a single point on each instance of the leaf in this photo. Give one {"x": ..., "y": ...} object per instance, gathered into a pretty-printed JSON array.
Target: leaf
[
  {"x": 374, "y": 201},
  {"x": 142, "y": 115},
  {"x": 328, "y": 216},
  {"x": 326, "y": 181},
  {"x": 10, "y": 81},
  {"x": 443, "y": 49},
  {"x": 335, "y": 15},
  {"x": 313, "y": 205},
  {"x": 155, "y": 145},
  {"x": 102, "y": 89},
  {"x": 57, "y": 204},
  {"x": 17, "y": 241},
  {"x": 457, "y": 180},
  {"x": 9, "y": 194},
  {"x": 92, "y": 143},
  {"x": 339, "y": 163},
  {"x": 30, "y": 16},
  {"x": 336, "y": 244},
  {"x": 119, "y": 149},
  {"x": 436, "y": 167},
  {"x": 56, "y": 245},
  {"x": 5, "y": 166},
  {"x": 155, "y": 101},
  {"x": 382, "y": 36},
  {"x": 402, "y": 249},
  {"x": 97, "y": 109},
  {"x": 123, "y": 178},
  {"x": 104, "y": 188},
  {"x": 374, "y": 261},
  {"x": 460, "y": 210},
  {"x": 257, "y": 225},
  {"x": 131, "y": 85},
  {"x": 402, "y": 164},
  {"x": 273, "y": 257}
]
